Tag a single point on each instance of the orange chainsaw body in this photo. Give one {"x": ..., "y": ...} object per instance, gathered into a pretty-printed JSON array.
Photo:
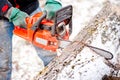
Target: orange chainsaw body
[{"x": 42, "y": 38}]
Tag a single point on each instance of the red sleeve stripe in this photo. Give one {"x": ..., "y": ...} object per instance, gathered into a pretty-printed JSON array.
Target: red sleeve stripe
[{"x": 5, "y": 8}]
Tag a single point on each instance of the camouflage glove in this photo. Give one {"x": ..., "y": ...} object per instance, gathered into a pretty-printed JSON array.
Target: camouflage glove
[{"x": 51, "y": 7}]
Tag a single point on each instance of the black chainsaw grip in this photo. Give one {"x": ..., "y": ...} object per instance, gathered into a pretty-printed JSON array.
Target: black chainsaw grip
[{"x": 37, "y": 24}]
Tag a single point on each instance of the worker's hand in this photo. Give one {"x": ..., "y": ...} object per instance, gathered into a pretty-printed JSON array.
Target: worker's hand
[
  {"x": 51, "y": 7},
  {"x": 14, "y": 15},
  {"x": 17, "y": 17}
]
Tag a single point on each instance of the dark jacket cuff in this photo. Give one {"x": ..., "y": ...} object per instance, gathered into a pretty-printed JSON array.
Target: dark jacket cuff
[{"x": 4, "y": 6}]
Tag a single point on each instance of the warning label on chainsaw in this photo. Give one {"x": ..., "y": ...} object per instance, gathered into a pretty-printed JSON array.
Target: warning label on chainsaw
[{"x": 41, "y": 41}]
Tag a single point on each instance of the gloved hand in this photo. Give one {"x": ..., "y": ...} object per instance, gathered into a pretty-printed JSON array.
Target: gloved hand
[
  {"x": 17, "y": 17},
  {"x": 51, "y": 7},
  {"x": 14, "y": 15}
]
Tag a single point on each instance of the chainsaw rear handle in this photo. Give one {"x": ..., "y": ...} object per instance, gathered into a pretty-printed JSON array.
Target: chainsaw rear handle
[
  {"x": 37, "y": 24},
  {"x": 64, "y": 14}
]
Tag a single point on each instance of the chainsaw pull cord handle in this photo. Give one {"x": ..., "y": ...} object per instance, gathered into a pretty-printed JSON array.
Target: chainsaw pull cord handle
[{"x": 37, "y": 24}]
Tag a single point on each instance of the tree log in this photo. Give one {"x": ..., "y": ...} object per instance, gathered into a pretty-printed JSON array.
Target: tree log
[{"x": 51, "y": 71}]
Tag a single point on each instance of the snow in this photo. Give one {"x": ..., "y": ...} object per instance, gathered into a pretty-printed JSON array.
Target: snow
[
  {"x": 90, "y": 66},
  {"x": 87, "y": 65},
  {"x": 26, "y": 63},
  {"x": 83, "y": 11}
]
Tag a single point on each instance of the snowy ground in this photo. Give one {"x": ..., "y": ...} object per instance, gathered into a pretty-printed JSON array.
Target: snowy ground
[
  {"x": 26, "y": 63},
  {"x": 90, "y": 66}
]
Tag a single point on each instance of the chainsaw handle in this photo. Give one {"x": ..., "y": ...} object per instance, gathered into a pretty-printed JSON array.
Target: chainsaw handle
[
  {"x": 37, "y": 24},
  {"x": 64, "y": 14},
  {"x": 70, "y": 27}
]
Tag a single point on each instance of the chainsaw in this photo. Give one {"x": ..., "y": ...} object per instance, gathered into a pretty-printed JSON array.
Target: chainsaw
[
  {"x": 44, "y": 33},
  {"x": 48, "y": 34}
]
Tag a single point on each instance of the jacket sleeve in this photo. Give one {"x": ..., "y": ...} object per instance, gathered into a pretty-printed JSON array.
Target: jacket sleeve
[{"x": 4, "y": 7}]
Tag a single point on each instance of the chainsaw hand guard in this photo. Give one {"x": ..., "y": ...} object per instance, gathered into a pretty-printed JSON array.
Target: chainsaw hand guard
[{"x": 63, "y": 16}]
